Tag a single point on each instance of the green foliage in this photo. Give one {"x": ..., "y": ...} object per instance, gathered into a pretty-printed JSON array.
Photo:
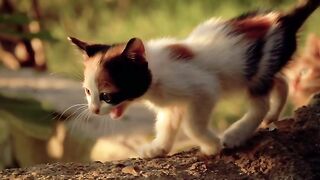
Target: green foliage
[
  {"x": 28, "y": 115},
  {"x": 8, "y": 28},
  {"x": 112, "y": 21},
  {"x": 17, "y": 19}
]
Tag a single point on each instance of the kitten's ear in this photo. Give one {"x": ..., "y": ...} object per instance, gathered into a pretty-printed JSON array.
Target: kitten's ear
[
  {"x": 88, "y": 49},
  {"x": 93, "y": 49},
  {"x": 80, "y": 44},
  {"x": 134, "y": 48}
]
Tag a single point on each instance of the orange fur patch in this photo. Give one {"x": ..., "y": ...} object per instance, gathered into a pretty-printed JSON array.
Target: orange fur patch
[
  {"x": 104, "y": 81},
  {"x": 255, "y": 27},
  {"x": 114, "y": 51},
  {"x": 180, "y": 51}
]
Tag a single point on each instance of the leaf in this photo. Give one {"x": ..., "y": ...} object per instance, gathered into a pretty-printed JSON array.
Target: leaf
[
  {"x": 43, "y": 35},
  {"x": 17, "y": 19}
]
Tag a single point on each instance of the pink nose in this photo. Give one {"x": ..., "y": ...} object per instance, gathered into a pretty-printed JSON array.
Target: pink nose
[{"x": 95, "y": 109}]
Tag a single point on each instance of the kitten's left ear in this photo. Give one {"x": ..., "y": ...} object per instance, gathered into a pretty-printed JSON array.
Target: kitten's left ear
[
  {"x": 134, "y": 48},
  {"x": 88, "y": 49},
  {"x": 80, "y": 44}
]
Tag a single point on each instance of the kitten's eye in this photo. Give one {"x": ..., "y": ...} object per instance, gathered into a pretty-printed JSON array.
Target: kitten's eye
[
  {"x": 105, "y": 97},
  {"x": 87, "y": 91}
]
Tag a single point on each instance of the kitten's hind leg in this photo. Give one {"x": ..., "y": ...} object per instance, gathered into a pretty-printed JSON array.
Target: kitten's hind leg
[
  {"x": 241, "y": 130},
  {"x": 167, "y": 125},
  {"x": 278, "y": 99},
  {"x": 196, "y": 126}
]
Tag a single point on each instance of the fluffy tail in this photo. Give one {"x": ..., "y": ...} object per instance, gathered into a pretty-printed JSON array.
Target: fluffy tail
[
  {"x": 282, "y": 44},
  {"x": 294, "y": 19}
]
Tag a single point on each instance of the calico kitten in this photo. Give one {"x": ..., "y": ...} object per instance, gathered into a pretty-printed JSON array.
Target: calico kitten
[
  {"x": 304, "y": 73},
  {"x": 182, "y": 80}
]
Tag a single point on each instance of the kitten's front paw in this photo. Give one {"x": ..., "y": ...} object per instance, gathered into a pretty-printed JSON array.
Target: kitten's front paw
[
  {"x": 267, "y": 121},
  {"x": 153, "y": 150},
  {"x": 209, "y": 151},
  {"x": 232, "y": 140}
]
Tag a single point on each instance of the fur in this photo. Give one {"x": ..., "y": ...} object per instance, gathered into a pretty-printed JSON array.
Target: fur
[
  {"x": 304, "y": 73},
  {"x": 182, "y": 80}
]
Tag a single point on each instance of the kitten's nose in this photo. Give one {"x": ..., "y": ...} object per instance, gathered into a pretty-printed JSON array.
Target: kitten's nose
[{"x": 95, "y": 109}]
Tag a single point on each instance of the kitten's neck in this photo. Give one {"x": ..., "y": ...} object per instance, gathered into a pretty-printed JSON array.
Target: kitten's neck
[
  {"x": 161, "y": 64},
  {"x": 155, "y": 55}
]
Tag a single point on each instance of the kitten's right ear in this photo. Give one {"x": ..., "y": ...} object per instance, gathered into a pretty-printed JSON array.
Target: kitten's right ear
[
  {"x": 80, "y": 44},
  {"x": 134, "y": 48}
]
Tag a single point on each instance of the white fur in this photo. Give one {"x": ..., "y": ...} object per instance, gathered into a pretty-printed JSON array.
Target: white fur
[
  {"x": 278, "y": 100},
  {"x": 185, "y": 91},
  {"x": 90, "y": 76}
]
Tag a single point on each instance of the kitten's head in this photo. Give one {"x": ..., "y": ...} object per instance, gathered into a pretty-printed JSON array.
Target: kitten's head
[
  {"x": 304, "y": 72},
  {"x": 114, "y": 75}
]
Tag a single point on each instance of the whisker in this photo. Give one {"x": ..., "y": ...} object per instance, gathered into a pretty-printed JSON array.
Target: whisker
[
  {"x": 79, "y": 109},
  {"x": 68, "y": 109},
  {"x": 74, "y": 122},
  {"x": 49, "y": 116},
  {"x": 81, "y": 120},
  {"x": 85, "y": 120}
]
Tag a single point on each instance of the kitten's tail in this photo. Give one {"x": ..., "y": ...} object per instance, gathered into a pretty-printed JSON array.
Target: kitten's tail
[
  {"x": 294, "y": 19},
  {"x": 282, "y": 44}
]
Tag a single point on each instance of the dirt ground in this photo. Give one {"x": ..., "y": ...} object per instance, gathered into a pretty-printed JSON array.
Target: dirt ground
[{"x": 290, "y": 151}]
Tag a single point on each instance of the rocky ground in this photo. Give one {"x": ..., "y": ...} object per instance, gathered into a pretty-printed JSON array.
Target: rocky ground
[{"x": 289, "y": 151}]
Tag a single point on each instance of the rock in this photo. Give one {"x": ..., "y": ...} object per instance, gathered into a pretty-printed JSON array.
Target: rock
[{"x": 130, "y": 170}]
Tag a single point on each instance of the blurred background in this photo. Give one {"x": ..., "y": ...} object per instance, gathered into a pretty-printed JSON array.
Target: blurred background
[{"x": 42, "y": 106}]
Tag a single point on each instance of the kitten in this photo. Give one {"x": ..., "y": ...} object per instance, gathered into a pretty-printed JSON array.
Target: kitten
[
  {"x": 182, "y": 80},
  {"x": 304, "y": 73}
]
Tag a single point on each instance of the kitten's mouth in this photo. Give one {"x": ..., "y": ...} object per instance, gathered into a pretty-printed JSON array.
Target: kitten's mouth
[{"x": 117, "y": 111}]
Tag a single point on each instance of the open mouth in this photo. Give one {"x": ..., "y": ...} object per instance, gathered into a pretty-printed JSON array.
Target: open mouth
[{"x": 117, "y": 111}]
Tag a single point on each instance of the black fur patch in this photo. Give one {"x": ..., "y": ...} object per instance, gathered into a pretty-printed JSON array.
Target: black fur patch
[
  {"x": 89, "y": 49},
  {"x": 296, "y": 17},
  {"x": 93, "y": 49},
  {"x": 254, "y": 55},
  {"x": 132, "y": 77},
  {"x": 281, "y": 53},
  {"x": 262, "y": 87}
]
